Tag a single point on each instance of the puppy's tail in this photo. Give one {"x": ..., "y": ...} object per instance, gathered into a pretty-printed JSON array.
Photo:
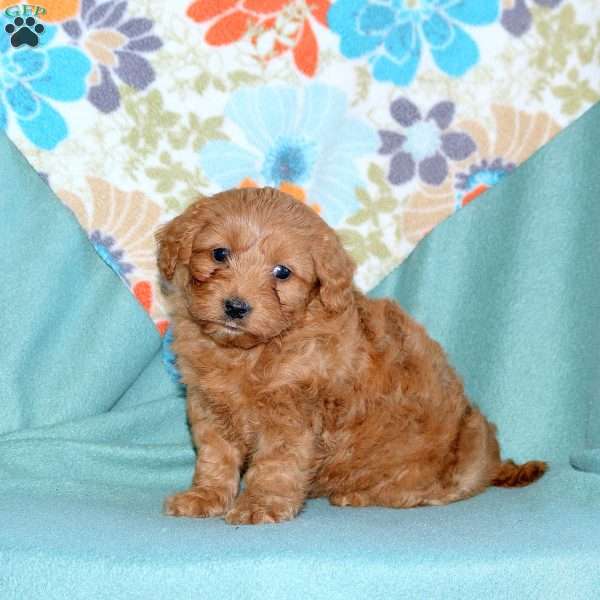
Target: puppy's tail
[{"x": 512, "y": 475}]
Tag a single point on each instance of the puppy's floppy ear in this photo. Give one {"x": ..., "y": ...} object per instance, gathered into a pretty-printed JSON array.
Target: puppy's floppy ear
[
  {"x": 334, "y": 269},
  {"x": 175, "y": 238}
]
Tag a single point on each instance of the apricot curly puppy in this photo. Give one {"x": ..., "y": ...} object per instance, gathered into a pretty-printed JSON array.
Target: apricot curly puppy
[{"x": 297, "y": 379}]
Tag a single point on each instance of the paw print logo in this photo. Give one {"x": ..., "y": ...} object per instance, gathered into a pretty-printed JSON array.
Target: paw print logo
[{"x": 24, "y": 31}]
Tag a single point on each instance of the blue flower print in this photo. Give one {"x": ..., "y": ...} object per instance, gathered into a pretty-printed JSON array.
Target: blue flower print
[
  {"x": 168, "y": 356},
  {"x": 298, "y": 137},
  {"x": 480, "y": 178},
  {"x": 392, "y": 33},
  {"x": 28, "y": 78}
]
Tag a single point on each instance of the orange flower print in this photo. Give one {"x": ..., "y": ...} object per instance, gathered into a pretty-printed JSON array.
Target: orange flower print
[
  {"x": 272, "y": 26},
  {"x": 142, "y": 290},
  {"x": 295, "y": 191}
]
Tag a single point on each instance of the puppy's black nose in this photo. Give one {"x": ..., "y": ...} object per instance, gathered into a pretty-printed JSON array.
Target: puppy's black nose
[{"x": 236, "y": 308}]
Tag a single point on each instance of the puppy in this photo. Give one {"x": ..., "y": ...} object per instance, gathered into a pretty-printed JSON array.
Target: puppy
[{"x": 298, "y": 380}]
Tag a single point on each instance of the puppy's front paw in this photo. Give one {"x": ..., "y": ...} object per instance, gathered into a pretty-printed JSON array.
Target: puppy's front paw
[
  {"x": 196, "y": 503},
  {"x": 249, "y": 510}
]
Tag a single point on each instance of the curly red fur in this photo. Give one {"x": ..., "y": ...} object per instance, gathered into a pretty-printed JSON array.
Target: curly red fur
[{"x": 319, "y": 391}]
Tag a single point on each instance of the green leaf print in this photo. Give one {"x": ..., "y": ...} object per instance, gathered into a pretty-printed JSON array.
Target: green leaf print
[
  {"x": 148, "y": 120},
  {"x": 564, "y": 47}
]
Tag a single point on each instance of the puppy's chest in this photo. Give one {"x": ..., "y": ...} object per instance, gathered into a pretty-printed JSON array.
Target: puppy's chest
[
  {"x": 248, "y": 388},
  {"x": 226, "y": 383}
]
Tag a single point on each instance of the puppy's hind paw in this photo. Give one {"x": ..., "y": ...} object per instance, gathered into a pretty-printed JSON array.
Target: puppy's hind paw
[{"x": 348, "y": 499}]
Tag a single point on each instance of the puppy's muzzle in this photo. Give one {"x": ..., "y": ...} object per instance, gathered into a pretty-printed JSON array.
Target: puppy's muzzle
[{"x": 236, "y": 308}]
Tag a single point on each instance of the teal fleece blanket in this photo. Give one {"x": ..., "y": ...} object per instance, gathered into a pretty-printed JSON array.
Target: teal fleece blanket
[{"x": 93, "y": 434}]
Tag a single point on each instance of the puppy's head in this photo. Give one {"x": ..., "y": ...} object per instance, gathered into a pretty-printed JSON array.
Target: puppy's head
[{"x": 248, "y": 263}]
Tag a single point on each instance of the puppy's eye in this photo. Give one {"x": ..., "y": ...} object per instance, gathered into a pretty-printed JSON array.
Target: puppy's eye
[
  {"x": 281, "y": 272},
  {"x": 221, "y": 254}
]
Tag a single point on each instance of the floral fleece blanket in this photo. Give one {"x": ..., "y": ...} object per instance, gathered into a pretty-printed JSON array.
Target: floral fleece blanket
[{"x": 386, "y": 116}]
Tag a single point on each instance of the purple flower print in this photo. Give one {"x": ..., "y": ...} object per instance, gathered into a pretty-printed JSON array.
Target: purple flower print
[
  {"x": 44, "y": 177},
  {"x": 424, "y": 145},
  {"x": 106, "y": 247},
  {"x": 517, "y": 18},
  {"x": 115, "y": 42}
]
